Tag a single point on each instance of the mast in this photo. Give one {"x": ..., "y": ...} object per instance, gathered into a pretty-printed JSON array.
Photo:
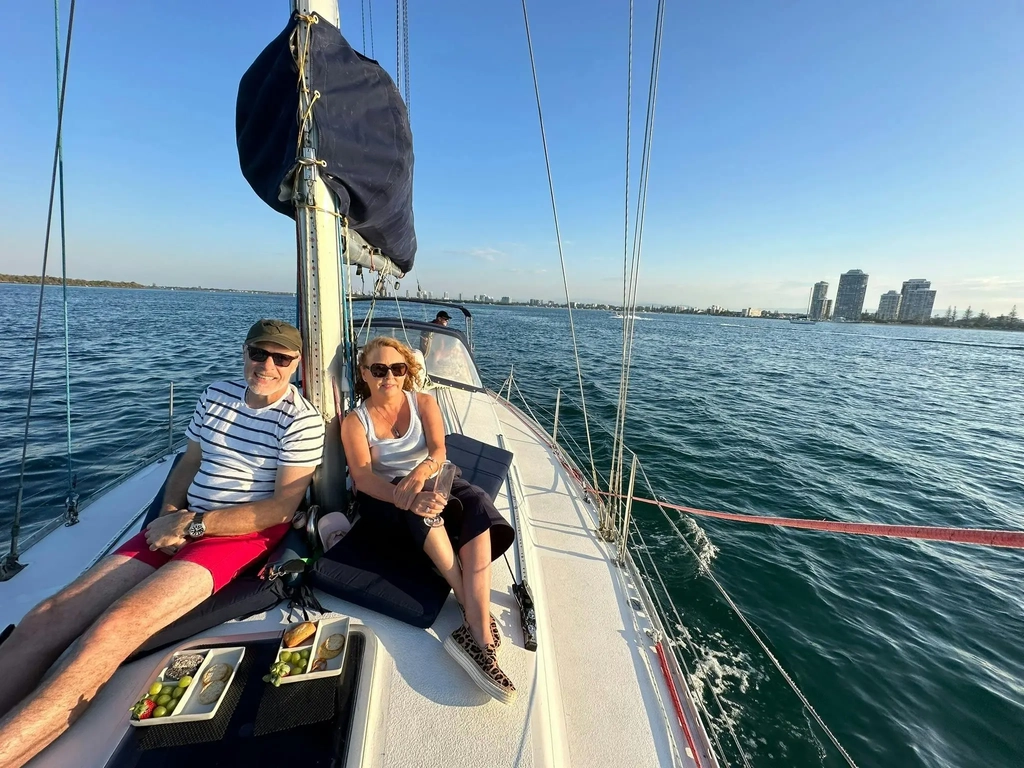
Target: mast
[
  {"x": 326, "y": 247},
  {"x": 319, "y": 276}
]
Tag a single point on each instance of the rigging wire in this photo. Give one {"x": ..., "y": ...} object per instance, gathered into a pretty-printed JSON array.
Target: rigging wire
[
  {"x": 10, "y": 563},
  {"x": 558, "y": 239},
  {"x": 362, "y": 22},
  {"x": 629, "y": 307},
  {"x": 369, "y": 15},
  {"x": 615, "y": 473},
  {"x": 405, "y": 47},
  {"x": 398, "y": 44},
  {"x": 72, "y": 501}
]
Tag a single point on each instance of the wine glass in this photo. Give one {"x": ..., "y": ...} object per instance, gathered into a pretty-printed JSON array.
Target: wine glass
[{"x": 443, "y": 486}]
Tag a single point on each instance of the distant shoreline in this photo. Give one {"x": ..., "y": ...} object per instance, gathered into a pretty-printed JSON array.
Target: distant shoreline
[{"x": 77, "y": 283}]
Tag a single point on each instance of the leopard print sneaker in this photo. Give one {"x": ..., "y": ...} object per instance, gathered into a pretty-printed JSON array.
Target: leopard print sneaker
[
  {"x": 481, "y": 664},
  {"x": 495, "y": 634}
]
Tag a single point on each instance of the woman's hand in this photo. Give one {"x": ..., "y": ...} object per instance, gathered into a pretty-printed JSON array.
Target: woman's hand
[
  {"x": 428, "y": 504},
  {"x": 409, "y": 486}
]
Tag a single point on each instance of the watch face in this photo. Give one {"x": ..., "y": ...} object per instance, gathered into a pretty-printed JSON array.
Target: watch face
[{"x": 195, "y": 530}]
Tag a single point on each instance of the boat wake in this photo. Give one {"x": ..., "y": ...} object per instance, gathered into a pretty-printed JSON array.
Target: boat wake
[
  {"x": 705, "y": 550},
  {"x": 717, "y": 675}
]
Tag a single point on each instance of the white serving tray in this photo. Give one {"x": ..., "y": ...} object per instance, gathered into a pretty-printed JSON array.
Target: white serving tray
[
  {"x": 191, "y": 709},
  {"x": 338, "y": 625}
]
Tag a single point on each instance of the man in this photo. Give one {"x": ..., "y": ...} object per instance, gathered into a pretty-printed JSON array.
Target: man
[
  {"x": 426, "y": 338},
  {"x": 252, "y": 447}
]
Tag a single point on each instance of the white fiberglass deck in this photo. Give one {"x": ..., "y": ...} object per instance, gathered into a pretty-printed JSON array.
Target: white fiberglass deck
[{"x": 592, "y": 695}]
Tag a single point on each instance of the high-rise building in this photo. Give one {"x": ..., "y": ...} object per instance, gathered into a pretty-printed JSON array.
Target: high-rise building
[
  {"x": 853, "y": 286},
  {"x": 916, "y": 301},
  {"x": 888, "y": 306},
  {"x": 826, "y": 313},
  {"x": 818, "y": 298}
]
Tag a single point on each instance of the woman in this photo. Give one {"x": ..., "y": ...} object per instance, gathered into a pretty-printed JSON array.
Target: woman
[{"x": 394, "y": 443}]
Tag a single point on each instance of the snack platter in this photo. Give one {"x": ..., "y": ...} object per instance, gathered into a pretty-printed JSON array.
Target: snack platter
[
  {"x": 201, "y": 692},
  {"x": 309, "y": 655}
]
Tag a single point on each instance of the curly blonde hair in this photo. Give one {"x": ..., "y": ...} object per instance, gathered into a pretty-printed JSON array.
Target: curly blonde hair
[{"x": 362, "y": 390}]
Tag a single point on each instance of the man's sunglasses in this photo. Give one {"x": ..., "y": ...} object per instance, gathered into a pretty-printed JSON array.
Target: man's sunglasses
[
  {"x": 379, "y": 370},
  {"x": 258, "y": 355}
]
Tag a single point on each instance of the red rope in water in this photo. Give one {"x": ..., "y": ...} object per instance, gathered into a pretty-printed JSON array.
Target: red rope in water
[
  {"x": 991, "y": 538},
  {"x": 676, "y": 703}
]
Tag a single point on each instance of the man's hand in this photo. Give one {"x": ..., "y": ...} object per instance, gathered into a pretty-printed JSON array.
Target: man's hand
[
  {"x": 428, "y": 504},
  {"x": 167, "y": 532},
  {"x": 410, "y": 485}
]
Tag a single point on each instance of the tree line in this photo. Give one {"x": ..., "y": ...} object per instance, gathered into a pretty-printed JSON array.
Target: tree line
[
  {"x": 34, "y": 280},
  {"x": 953, "y": 318}
]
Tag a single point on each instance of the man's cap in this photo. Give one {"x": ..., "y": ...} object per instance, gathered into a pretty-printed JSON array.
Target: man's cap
[
  {"x": 275, "y": 332},
  {"x": 442, "y": 315}
]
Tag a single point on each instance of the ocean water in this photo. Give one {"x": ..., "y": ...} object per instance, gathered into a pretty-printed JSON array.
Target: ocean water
[{"x": 911, "y": 652}]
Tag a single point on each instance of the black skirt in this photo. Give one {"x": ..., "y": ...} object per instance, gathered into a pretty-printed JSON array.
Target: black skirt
[{"x": 469, "y": 513}]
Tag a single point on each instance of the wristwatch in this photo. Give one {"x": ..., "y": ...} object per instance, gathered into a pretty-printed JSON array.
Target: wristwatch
[{"x": 197, "y": 528}]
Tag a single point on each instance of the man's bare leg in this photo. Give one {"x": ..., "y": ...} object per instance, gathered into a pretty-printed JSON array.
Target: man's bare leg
[
  {"x": 48, "y": 629},
  {"x": 165, "y": 596}
]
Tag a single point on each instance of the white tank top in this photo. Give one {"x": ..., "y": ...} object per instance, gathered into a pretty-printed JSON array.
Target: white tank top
[{"x": 396, "y": 456}]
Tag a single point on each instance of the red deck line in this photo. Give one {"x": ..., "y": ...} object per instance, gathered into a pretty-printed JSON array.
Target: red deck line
[
  {"x": 676, "y": 703},
  {"x": 987, "y": 537}
]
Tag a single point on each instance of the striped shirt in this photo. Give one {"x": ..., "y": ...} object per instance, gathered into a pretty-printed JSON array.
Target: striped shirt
[{"x": 243, "y": 446}]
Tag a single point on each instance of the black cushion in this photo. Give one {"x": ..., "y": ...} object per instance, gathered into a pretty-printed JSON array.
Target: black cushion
[
  {"x": 371, "y": 569},
  {"x": 485, "y": 466},
  {"x": 388, "y": 574}
]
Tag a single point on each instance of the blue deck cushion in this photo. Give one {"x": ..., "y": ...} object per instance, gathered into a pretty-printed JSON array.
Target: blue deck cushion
[
  {"x": 485, "y": 466},
  {"x": 377, "y": 570}
]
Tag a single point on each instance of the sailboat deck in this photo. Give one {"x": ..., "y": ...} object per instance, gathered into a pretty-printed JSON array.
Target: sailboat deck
[{"x": 592, "y": 694}]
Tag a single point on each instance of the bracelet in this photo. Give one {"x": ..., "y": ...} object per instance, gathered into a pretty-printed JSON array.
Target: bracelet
[{"x": 432, "y": 460}]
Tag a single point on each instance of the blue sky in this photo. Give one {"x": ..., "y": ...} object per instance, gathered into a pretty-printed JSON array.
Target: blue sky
[{"x": 793, "y": 141}]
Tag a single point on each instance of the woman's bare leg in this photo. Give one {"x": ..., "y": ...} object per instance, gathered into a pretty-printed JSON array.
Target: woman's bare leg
[
  {"x": 475, "y": 555},
  {"x": 439, "y": 549}
]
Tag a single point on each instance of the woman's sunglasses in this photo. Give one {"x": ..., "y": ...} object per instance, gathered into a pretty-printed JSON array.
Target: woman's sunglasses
[
  {"x": 379, "y": 370},
  {"x": 258, "y": 355}
]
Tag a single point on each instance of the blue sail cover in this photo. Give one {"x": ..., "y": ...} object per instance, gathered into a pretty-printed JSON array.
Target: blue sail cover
[{"x": 364, "y": 136}]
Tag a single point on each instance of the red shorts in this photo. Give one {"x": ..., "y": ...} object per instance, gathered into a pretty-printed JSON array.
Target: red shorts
[{"x": 223, "y": 556}]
